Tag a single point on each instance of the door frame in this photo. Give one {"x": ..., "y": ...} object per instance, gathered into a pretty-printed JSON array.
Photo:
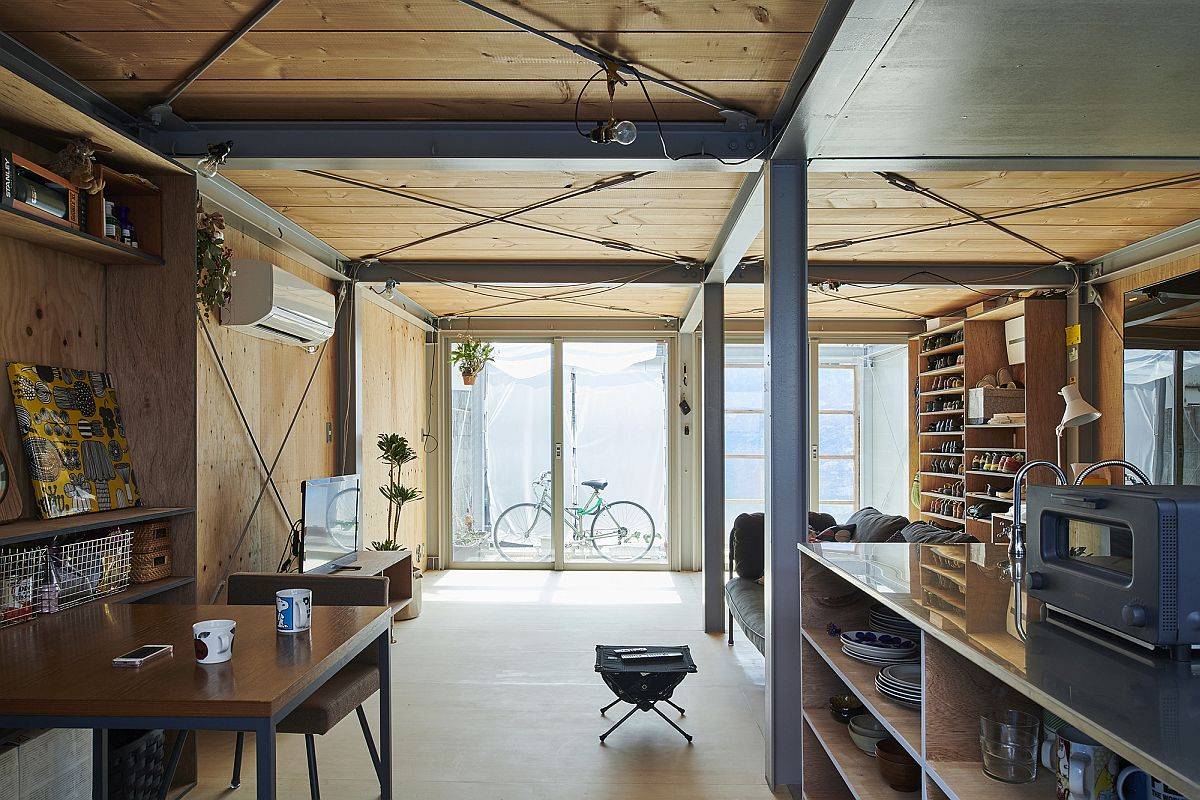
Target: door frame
[{"x": 444, "y": 462}]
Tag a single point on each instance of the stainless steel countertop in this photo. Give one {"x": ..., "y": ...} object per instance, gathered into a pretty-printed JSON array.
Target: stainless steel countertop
[{"x": 1144, "y": 707}]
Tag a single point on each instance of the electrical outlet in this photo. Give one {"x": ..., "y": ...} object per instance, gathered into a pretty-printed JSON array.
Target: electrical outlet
[{"x": 328, "y": 432}]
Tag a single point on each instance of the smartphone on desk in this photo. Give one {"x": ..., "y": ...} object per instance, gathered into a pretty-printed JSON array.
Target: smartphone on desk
[{"x": 147, "y": 652}]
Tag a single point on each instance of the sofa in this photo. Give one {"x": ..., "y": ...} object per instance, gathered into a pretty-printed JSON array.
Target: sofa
[{"x": 744, "y": 595}]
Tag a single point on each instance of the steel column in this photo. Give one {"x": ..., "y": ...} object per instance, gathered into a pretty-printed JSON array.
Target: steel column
[
  {"x": 348, "y": 341},
  {"x": 713, "y": 471},
  {"x": 785, "y": 337}
]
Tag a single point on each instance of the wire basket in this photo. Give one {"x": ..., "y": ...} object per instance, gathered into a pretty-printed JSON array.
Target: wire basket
[
  {"x": 89, "y": 569},
  {"x": 22, "y": 583}
]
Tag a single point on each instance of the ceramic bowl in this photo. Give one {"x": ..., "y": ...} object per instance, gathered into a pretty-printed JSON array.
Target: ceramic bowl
[
  {"x": 844, "y": 707},
  {"x": 901, "y": 777},
  {"x": 867, "y": 725},
  {"x": 890, "y": 750},
  {"x": 864, "y": 743}
]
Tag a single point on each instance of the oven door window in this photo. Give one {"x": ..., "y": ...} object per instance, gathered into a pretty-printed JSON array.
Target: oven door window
[{"x": 1100, "y": 546}]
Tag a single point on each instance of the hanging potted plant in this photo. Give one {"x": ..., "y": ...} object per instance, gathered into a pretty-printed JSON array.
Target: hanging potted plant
[
  {"x": 214, "y": 263},
  {"x": 469, "y": 356}
]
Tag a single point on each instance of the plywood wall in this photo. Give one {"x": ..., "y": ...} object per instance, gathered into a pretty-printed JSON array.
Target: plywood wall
[
  {"x": 394, "y": 400},
  {"x": 269, "y": 379},
  {"x": 1110, "y": 356}
]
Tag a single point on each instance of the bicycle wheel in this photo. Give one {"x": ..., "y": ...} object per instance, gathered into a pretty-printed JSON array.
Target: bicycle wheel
[
  {"x": 522, "y": 533},
  {"x": 622, "y": 532}
]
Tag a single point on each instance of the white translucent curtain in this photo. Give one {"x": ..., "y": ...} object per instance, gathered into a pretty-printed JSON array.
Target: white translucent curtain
[
  {"x": 516, "y": 424},
  {"x": 1149, "y": 399},
  {"x": 615, "y": 423},
  {"x": 884, "y": 440}
]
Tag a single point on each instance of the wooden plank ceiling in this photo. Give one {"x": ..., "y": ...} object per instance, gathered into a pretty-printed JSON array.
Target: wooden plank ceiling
[
  {"x": 746, "y": 301},
  {"x": 421, "y": 59},
  {"x": 681, "y": 214}
]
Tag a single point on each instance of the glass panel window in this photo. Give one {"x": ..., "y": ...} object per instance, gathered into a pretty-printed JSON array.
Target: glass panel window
[
  {"x": 838, "y": 479},
  {"x": 835, "y": 389},
  {"x": 837, "y": 434},
  {"x": 744, "y": 388},
  {"x": 745, "y": 434},
  {"x": 745, "y": 478}
]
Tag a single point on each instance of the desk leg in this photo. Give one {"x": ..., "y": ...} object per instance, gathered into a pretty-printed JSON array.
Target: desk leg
[
  {"x": 264, "y": 755},
  {"x": 383, "y": 643},
  {"x": 99, "y": 764}
]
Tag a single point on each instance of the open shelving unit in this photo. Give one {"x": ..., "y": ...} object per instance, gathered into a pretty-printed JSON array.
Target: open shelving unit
[
  {"x": 984, "y": 351},
  {"x": 942, "y": 735}
]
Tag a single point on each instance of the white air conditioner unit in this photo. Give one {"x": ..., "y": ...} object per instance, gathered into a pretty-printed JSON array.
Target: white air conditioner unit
[{"x": 271, "y": 303}]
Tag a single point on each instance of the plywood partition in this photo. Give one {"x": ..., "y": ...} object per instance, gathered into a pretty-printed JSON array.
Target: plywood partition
[
  {"x": 395, "y": 399},
  {"x": 269, "y": 379},
  {"x": 957, "y": 693},
  {"x": 821, "y": 778}
]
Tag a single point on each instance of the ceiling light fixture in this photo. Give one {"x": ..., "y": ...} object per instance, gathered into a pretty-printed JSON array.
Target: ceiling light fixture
[
  {"x": 611, "y": 130},
  {"x": 217, "y": 155}
]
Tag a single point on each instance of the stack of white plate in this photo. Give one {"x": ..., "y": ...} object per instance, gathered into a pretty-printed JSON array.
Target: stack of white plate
[
  {"x": 882, "y": 619},
  {"x": 900, "y": 682},
  {"x": 879, "y": 648}
]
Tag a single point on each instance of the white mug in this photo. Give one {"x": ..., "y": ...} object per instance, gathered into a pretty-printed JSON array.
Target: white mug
[
  {"x": 214, "y": 640},
  {"x": 293, "y": 610},
  {"x": 1135, "y": 784}
]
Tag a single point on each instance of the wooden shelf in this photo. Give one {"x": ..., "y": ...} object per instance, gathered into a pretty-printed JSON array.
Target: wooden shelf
[
  {"x": 949, "y": 574},
  {"x": 940, "y": 433},
  {"x": 953, "y": 326},
  {"x": 964, "y": 780},
  {"x": 945, "y": 475},
  {"x": 958, "y": 603},
  {"x": 936, "y": 453},
  {"x": 901, "y": 721},
  {"x": 945, "y": 413},
  {"x": 939, "y": 392},
  {"x": 996, "y": 449},
  {"x": 942, "y": 496},
  {"x": 27, "y": 530},
  {"x": 935, "y": 515},
  {"x": 955, "y": 370},
  {"x": 997, "y": 426},
  {"x": 30, "y": 228},
  {"x": 982, "y": 496},
  {"x": 990, "y": 473},
  {"x": 856, "y": 767},
  {"x": 140, "y": 591},
  {"x": 947, "y": 348}
]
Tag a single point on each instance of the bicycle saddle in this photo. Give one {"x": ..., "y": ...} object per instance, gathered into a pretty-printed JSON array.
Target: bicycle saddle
[{"x": 597, "y": 485}]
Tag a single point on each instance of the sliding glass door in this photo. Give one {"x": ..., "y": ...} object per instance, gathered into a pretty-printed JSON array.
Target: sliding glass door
[{"x": 559, "y": 455}]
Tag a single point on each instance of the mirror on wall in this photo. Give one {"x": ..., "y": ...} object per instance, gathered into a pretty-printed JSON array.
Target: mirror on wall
[{"x": 1162, "y": 380}]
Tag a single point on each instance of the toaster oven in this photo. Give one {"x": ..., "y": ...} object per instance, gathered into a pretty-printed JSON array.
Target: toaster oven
[{"x": 1125, "y": 558}]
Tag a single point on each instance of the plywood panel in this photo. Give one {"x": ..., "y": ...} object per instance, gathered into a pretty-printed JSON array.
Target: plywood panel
[
  {"x": 269, "y": 379},
  {"x": 417, "y": 15},
  {"x": 394, "y": 400},
  {"x": 560, "y": 180},
  {"x": 746, "y": 301},
  {"x": 533, "y": 301}
]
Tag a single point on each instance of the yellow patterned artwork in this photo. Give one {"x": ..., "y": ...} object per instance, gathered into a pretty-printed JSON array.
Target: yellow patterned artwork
[{"x": 74, "y": 440}]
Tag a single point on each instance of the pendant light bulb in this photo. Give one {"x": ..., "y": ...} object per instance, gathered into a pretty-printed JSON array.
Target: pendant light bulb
[
  {"x": 624, "y": 132},
  {"x": 211, "y": 163}
]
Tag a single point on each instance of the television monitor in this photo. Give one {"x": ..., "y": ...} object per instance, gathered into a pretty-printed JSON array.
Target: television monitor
[{"x": 331, "y": 523}]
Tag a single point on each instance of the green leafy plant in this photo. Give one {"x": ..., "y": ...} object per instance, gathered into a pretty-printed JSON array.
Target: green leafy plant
[
  {"x": 395, "y": 451},
  {"x": 470, "y": 356},
  {"x": 214, "y": 263}
]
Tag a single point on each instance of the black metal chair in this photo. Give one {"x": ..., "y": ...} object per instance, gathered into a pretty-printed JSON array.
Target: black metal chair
[{"x": 346, "y": 691}]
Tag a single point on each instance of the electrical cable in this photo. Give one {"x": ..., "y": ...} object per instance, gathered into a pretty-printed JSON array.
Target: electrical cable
[
  {"x": 1033, "y": 209},
  {"x": 608, "y": 243},
  {"x": 279, "y": 453},
  {"x": 663, "y": 139},
  {"x": 571, "y": 298},
  {"x": 604, "y": 183}
]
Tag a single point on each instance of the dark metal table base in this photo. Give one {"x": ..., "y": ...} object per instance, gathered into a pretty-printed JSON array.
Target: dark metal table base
[{"x": 651, "y": 707}]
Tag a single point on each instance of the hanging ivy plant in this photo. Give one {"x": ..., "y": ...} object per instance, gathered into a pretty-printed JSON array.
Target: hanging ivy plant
[{"x": 214, "y": 263}]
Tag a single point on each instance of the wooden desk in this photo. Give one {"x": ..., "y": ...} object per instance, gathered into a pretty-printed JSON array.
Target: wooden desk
[{"x": 59, "y": 674}]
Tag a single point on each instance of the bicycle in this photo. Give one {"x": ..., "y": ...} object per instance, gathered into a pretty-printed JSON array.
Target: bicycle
[{"x": 523, "y": 531}]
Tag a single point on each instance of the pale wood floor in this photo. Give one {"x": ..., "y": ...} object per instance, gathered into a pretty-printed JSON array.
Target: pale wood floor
[{"x": 496, "y": 699}]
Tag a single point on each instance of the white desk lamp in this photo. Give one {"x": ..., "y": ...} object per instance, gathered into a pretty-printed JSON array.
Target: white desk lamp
[{"x": 1078, "y": 412}]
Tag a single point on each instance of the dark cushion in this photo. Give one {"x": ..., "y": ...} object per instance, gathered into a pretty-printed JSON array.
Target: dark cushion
[
  {"x": 744, "y": 599},
  {"x": 872, "y": 525},
  {"x": 837, "y": 533},
  {"x": 925, "y": 533},
  {"x": 348, "y": 689},
  {"x": 819, "y": 521},
  {"x": 746, "y": 546}
]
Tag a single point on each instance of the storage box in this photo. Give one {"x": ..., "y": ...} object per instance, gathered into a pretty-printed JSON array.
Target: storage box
[
  {"x": 36, "y": 190},
  {"x": 1014, "y": 338},
  {"x": 10, "y": 776},
  {"x": 985, "y": 403},
  {"x": 933, "y": 323},
  {"x": 55, "y": 764}
]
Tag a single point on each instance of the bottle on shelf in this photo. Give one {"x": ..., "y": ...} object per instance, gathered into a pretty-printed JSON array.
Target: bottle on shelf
[{"x": 112, "y": 228}]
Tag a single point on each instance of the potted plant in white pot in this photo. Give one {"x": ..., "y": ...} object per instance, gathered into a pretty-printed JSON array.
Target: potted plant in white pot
[{"x": 470, "y": 356}]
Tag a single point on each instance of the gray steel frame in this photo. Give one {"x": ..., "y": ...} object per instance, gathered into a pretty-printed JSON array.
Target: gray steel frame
[
  {"x": 263, "y": 727},
  {"x": 712, "y": 376},
  {"x": 543, "y": 146},
  {"x": 785, "y": 337}
]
